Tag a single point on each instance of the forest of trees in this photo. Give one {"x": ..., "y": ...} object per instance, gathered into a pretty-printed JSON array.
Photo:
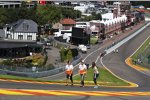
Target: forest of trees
[{"x": 41, "y": 14}]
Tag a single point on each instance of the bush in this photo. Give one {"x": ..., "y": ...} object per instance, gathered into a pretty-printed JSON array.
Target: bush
[
  {"x": 74, "y": 52},
  {"x": 50, "y": 67},
  {"x": 7, "y": 62},
  {"x": 69, "y": 55},
  {"x": 45, "y": 59},
  {"x": 93, "y": 40},
  {"x": 36, "y": 60},
  {"x": 27, "y": 64},
  {"x": 62, "y": 54}
]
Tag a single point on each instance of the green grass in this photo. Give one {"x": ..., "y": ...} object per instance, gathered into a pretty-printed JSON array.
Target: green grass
[
  {"x": 141, "y": 51},
  {"x": 24, "y": 78},
  {"x": 93, "y": 40},
  {"x": 105, "y": 78},
  {"x": 18, "y": 77},
  {"x": 135, "y": 56}
]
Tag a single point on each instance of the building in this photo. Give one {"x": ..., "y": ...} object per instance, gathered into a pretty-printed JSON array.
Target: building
[
  {"x": 136, "y": 17},
  {"x": 2, "y": 34},
  {"x": 66, "y": 25},
  {"x": 82, "y": 24},
  {"x": 18, "y": 49},
  {"x": 109, "y": 25},
  {"x": 83, "y": 7},
  {"x": 10, "y": 4},
  {"x": 95, "y": 26},
  {"x": 18, "y": 39},
  {"x": 79, "y": 36},
  {"x": 122, "y": 7},
  {"x": 65, "y": 30},
  {"x": 23, "y": 29}
]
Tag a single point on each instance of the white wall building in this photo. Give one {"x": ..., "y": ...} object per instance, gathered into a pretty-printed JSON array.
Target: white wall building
[
  {"x": 111, "y": 25},
  {"x": 10, "y": 4},
  {"x": 21, "y": 30},
  {"x": 83, "y": 7},
  {"x": 82, "y": 24}
]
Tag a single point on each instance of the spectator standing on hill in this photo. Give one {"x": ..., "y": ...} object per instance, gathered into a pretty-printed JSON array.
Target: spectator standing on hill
[
  {"x": 69, "y": 73},
  {"x": 96, "y": 74},
  {"x": 82, "y": 72}
]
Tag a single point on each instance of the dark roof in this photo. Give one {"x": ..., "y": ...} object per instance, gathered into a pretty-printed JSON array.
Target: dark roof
[
  {"x": 2, "y": 33},
  {"x": 68, "y": 21},
  {"x": 17, "y": 44},
  {"x": 24, "y": 25}
]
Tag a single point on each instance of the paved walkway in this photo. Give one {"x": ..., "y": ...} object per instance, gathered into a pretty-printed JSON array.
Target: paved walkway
[{"x": 54, "y": 57}]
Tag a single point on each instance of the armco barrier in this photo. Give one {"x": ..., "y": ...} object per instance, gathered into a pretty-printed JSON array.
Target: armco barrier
[
  {"x": 39, "y": 74},
  {"x": 124, "y": 40}
]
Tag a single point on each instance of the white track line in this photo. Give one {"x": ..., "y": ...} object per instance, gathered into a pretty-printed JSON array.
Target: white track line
[
  {"x": 79, "y": 63},
  {"x": 101, "y": 60},
  {"x": 139, "y": 47}
]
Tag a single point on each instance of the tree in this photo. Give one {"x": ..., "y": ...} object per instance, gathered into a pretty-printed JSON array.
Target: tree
[
  {"x": 41, "y": 14},
  {"x": 23, "y": 4},
  {"x": 98, "y": 16},
  {"x": 69, "y": 55},
  {"x": 62, "y": 54},
  {"x": 77, "y": 14},
  {"x": 88, "y": 18},
  {"x": 3, "y": 17}
]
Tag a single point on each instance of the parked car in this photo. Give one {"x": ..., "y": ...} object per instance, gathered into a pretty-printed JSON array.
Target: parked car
[
  {"x": 82, "y": 48},
  {"x": 88, "y": 46}
]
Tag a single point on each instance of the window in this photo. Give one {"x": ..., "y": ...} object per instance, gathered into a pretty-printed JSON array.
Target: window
[
  {"x": 29, "y": 37},
  {"x": 8, "y": 36},
  {"x": 8, "y": 28},
  {"x": 25, "y": 26},
  {"x": 20, "y": 37}
]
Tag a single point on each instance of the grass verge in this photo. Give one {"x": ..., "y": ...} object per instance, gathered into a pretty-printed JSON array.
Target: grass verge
[
  {"x": 105, "y": 78},
  {"x": 135, "y": 56},
  {"x": 141, "y": 51}
]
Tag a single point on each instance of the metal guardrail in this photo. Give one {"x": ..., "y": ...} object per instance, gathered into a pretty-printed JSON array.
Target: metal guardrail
[
  {"x": 143, "y": 57},
  {"x": 125, "y": 39},
  {"x": 37, "y": 74}
]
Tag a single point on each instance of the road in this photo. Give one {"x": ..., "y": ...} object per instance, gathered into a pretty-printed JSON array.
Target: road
[
  {"x": 114, "y": 61},
  {"x": 93, "y": 53},
  {"x": 72, "y": 98}
]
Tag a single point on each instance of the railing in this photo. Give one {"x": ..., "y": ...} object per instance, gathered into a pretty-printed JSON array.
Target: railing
[
  {"x": 117, "y": 44},
  {"x": 143, "y": 57},
  {"x": 28, "y": 72}
]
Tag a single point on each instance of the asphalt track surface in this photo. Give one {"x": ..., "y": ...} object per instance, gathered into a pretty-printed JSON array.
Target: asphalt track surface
[
  {"x": 71, "y": 98},
  {"x": 114, "y": 61}
]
